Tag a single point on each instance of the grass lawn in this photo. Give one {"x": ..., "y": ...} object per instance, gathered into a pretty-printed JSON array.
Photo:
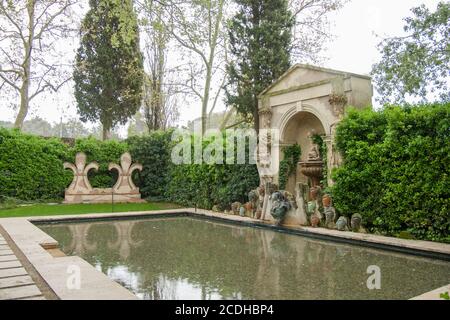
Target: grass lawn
[{"x": 67, "y": 209}]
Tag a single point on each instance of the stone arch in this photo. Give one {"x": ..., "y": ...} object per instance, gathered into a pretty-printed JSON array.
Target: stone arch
[
  {"x": 299, "y": 108},
  {"x": 295, "y": 124}
]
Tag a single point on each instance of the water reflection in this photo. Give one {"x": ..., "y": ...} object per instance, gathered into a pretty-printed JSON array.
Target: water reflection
[{"x": 186, "y": 258}]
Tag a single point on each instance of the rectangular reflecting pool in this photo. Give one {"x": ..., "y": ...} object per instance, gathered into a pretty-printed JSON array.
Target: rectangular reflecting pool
[{"x": 191, "y": 258}]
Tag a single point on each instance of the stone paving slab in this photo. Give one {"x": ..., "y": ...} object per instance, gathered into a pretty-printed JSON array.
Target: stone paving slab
[
  {"x": 15, "y": 281},
  {"x": 4, "y": 273},
  {"x": 6, "y": 252},
  {"x": 434, "y": 295},
  {"x": 19, "y": 292},
  {"x": 10, "y": 264},
  {"x": 9, "y": 257},
  {"x": 33, "y": 298}
]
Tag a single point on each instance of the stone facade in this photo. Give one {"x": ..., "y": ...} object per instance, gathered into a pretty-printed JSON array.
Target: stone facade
[{"x": 305, "y": 100}]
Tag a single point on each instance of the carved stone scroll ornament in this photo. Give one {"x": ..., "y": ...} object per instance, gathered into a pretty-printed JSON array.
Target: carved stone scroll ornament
[
  {"x": 80, "y": 184},
  {"x": 81, "y": 191},
  {"x": 124, "y": 184}
]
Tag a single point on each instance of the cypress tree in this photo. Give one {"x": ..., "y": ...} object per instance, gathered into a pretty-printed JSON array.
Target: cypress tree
[
  {"x": 260, "y": 43},
  {"x": 108, "y": 71}
]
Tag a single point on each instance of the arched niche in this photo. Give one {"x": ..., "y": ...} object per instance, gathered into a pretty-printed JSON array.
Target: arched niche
[{"x": 295, "y": 130}]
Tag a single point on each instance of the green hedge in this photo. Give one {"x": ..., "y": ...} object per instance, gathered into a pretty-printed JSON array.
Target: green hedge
[
  {"x": 396, "y": 170},
  {"x": 31, "y": 168},
  {"x": 153, "y": 152},
  {"x": 206, "y": 185}
]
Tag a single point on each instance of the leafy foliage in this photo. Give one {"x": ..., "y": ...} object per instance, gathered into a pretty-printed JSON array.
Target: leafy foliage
[
  {"x": 32, "y": 167},
  {"x": 288, "y": 164},
  {"x": 153, "y": 152},
  {"x": 108, "y": 71},
  {"x": 418, "y": 63},
  {"x": 205, "y": 185},
  {"x": 396, "y": 170},
  {"x": 260, "y": 41}
]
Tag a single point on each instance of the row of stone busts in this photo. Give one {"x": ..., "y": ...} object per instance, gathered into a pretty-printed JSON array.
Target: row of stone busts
[{"x": 309, "y": 207}]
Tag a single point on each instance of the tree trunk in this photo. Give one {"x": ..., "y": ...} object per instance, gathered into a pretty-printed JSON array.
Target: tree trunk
[
  {"x": 24, "y": 102},
  {"x": 106, "y": 134},
  {"x": 206, "y": 99},
  {"x": 28, "y": 47}
]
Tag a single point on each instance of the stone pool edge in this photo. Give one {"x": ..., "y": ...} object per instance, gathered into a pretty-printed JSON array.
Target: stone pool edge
[
  {"x": 57, "y": 272},
  {"x": 33, "y": 242}
]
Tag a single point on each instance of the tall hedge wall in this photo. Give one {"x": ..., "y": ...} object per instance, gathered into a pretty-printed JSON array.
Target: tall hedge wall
[
  {"x": 31, "y": 168},
  {"x": 199, "y": 185},
  {"x": 396, "y": 170},
  {"x": 153, "y": 152}
]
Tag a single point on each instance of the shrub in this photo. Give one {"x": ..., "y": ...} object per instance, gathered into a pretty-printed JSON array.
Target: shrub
[
  {"x": 31, "y": 167},
  {"x": 153, "y": 152},
  {"x": 396, "y": 170},
  {"x": 205, "y": 185}
]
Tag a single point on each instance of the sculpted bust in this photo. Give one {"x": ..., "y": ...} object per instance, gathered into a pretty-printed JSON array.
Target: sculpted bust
[{"x": 313, "y": 154}]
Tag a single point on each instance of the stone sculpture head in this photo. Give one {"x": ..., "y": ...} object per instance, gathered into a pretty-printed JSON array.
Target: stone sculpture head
[
  {"x": 235, "y": 206},
  {"x": 329, "y": 215},
  {"x": 280, "y": 206},
  {"x": 355, "y": 222},
  {"x": 315, "y": 221},
  {"x": 342, "y": 223}
]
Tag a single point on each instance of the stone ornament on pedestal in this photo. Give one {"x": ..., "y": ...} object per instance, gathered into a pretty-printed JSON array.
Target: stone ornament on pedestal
[
  {"x": 81, "y": 191},
  {"x": 80, "y": 185},
  {"x": 125, "y": 190}
]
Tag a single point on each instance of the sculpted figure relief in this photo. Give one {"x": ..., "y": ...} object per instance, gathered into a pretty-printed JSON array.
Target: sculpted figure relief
[{"x": 280, "y": 206}]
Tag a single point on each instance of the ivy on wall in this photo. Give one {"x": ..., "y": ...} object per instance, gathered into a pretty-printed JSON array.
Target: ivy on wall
[{"x": 289, "y": 163}]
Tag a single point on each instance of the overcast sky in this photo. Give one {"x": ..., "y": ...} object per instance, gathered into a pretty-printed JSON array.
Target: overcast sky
[{"x": 358, "y": 28}]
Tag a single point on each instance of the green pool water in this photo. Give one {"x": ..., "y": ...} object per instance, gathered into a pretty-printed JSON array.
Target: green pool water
[{"x": 189, "y": 258}]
